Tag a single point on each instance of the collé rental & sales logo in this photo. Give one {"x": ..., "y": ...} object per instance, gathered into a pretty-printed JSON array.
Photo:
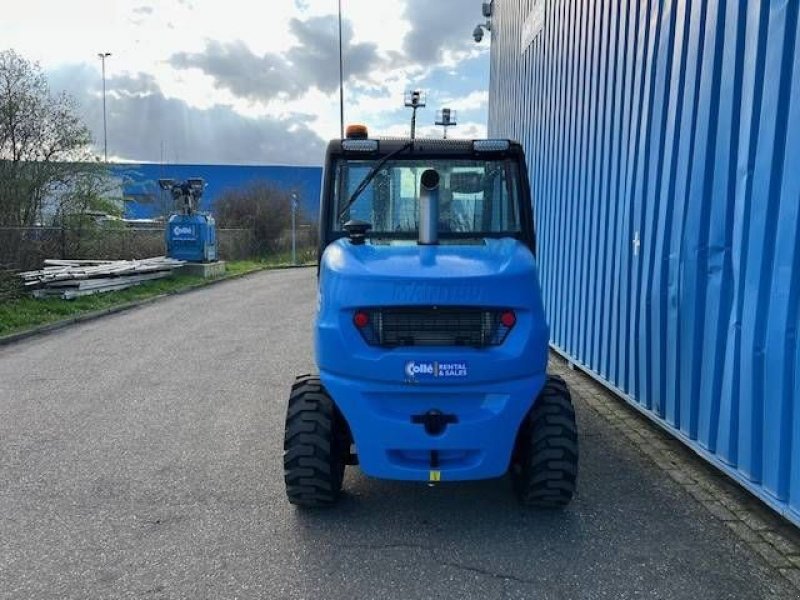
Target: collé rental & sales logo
[
  {"x": 416, "y": 370},
  {"x": 183, "y": 231}
]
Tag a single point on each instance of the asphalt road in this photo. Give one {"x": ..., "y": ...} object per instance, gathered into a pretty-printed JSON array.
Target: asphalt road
[{"x": 140, "y": 456}]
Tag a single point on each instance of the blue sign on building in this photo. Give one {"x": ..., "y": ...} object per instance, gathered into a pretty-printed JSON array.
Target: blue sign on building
[{"x": 144, "y": 199}]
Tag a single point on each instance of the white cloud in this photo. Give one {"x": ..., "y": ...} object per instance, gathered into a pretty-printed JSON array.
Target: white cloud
[
  {"x": 472, "y": 101},
  {"x": 143, "y": 35},
  {"x": 466, "y": 131}
]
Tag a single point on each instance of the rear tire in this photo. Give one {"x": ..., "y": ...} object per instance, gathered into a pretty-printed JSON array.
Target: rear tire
[
  {"x": 313, "y": 457},
  {"x": 546, "y": 454}
]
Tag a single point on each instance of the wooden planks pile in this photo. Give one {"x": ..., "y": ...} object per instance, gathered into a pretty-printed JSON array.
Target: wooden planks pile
[{"x": 70, "y": 279}]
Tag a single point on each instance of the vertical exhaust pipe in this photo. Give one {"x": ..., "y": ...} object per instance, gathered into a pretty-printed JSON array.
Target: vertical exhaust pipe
[{"x": 429, "y": 208}]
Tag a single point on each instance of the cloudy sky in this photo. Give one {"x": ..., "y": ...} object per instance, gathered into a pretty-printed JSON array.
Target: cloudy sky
[{"x": 245, "y": 82}]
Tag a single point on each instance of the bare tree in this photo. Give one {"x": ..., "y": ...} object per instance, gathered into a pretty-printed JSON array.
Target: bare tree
[
  {"x": 261, "y": 207},
  {"x": 44, "y": 146}
]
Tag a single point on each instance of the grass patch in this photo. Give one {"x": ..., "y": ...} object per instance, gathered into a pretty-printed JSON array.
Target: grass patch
[
  {"x": 27, "y": 313},
  {"x": 239, "y": 267},
  {"x": 284, "y": 259}
]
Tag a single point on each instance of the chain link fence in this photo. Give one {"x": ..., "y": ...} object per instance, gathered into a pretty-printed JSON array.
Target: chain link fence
[{"x": 25, "y": 248}]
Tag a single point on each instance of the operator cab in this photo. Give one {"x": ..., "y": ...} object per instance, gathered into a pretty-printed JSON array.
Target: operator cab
[{"x": 371, "y": 190}]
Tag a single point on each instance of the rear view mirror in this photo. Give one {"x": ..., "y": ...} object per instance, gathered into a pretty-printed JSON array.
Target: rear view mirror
[{"x": 466, "y": 183}]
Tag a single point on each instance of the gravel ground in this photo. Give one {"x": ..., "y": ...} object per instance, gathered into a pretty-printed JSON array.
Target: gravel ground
[{"x": 140, "y": 456}]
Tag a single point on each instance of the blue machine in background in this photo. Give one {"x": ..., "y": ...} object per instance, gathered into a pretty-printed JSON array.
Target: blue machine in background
[{"x": 189, "y": 235}]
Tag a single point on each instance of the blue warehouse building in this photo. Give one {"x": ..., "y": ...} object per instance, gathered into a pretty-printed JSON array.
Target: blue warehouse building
[
  {"x": 145, "y": 200},
  {"x": 662, "y": 139}
]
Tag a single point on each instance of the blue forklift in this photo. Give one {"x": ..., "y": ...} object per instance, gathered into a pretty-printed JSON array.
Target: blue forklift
[{"x": 430, "y": 338}]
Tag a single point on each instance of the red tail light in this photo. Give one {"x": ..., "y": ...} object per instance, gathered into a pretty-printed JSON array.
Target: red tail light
[
  {"x": 508, "y": 318},
  {"x": 361, "y": 319}
]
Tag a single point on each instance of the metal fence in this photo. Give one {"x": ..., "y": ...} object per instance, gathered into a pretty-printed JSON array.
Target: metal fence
[{"x": 27, "y": 247}]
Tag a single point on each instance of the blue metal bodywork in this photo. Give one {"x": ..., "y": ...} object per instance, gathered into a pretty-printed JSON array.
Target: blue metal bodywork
[
  {"x": 376, "y": 389},
  {"x": 191, "y": 237}
]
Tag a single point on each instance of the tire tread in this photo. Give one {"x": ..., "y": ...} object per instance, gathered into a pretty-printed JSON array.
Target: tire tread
[
  {"x": 312, "y": 467},
  {"x": 547, "y": 449}
]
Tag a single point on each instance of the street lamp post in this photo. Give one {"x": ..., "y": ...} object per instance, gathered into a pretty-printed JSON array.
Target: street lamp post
[
  {"x": 294, "y": 228},
  {"x": 103, "y": 56}
]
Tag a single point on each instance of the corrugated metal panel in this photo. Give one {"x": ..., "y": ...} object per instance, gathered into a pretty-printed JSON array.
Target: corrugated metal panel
[
  {"x": 143, "y": 195},
  {"x": 663, "y": 142}
]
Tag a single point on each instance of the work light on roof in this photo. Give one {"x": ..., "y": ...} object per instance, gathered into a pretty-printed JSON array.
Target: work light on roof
[
  {"x": 490, "y": 145},
  {"x": 360, "y": 145}
]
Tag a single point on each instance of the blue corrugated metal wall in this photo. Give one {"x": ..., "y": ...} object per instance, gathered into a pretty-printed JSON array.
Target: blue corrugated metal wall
[
  {"x": 143, "y": 196},
  {"x": 663, "y": 142}
]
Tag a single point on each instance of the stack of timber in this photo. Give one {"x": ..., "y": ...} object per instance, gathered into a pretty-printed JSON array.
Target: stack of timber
[{"x": 70, "y": 279}]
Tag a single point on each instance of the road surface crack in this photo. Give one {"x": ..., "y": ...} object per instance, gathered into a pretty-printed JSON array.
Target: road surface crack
[
  {"x": 487, "y": 572},
  {"x": 386, "y": 546}
]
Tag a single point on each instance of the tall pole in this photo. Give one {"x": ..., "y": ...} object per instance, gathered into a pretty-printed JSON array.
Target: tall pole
[
  {"x": 103, "y": 56},
  {"x": 294, "y": 228},
  {"x": 341, "y": 76},
  {"x": 414, "y": 99},
  {"x": 446, "y": 118}
]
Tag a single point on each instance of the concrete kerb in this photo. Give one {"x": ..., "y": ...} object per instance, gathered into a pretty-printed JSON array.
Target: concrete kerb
[{"x": 91, "y": 316}]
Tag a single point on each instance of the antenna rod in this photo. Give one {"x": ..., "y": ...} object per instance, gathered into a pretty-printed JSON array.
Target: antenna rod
[{"x": 341, "y": 77}]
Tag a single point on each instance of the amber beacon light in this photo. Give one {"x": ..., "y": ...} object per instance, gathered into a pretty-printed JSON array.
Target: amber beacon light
[{"x": 357, "y": 132}]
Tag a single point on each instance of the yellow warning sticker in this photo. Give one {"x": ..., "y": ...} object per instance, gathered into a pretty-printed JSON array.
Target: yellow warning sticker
[{"x": 435, "y": 476}]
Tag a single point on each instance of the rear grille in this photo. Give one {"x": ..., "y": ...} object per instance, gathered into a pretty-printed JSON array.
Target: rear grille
[{"x": 434, "y": 326}]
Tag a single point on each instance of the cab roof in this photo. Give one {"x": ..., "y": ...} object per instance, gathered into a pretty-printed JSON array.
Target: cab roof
[{"x": 423, "y": 146}]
